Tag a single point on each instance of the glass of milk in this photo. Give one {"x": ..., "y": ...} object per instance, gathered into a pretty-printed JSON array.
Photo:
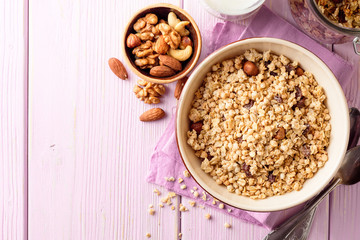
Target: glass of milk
[{"x": 232, "y": 10}]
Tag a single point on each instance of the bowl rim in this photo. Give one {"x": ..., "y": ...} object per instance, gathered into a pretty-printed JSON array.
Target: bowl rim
[
  {"x": 346, "y": 125},
  {"x": 183, "y": 72}
]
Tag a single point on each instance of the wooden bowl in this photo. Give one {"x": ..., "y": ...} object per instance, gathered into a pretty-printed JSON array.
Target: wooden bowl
[{"x": 162, "y": 10}]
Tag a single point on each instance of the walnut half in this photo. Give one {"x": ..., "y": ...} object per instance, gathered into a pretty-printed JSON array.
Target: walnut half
[{"x": 149, "y": 92}]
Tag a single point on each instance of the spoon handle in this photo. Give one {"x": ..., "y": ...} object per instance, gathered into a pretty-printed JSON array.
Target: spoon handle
[
  {"x": 354, "y": 127},
  {"x": 286, "y": 230}
]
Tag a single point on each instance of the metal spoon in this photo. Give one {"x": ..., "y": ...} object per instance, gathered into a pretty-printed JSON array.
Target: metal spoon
[
  {"x": 354, "y": 127},
  {"x": 348, "y": 174}
]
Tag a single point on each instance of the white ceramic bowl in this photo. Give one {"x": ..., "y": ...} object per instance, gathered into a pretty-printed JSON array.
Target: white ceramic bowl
[{"x": 336, "y": 103}]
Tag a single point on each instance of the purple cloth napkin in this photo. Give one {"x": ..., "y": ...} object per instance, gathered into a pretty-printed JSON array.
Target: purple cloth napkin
[{"x": 166, "y": 161}]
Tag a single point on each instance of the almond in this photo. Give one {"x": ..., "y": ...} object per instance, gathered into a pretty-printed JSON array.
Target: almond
[
  {"x": 118, "y": 68},
  {"x": 152, "y": 115},
  {"x": 161, "y": 46},
  {"x": 170, "y": 62},
  {"x": 179, "y": 87},
  {"x": 161, "y": 71}
]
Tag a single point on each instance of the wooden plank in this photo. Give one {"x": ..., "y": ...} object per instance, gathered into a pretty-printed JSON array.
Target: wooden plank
[
  {"x": 193, "y": 224},
  {"x": 89, "y": 153},
  {"x": 13, "y": 108},
  {"x": 344, "y": 206}
]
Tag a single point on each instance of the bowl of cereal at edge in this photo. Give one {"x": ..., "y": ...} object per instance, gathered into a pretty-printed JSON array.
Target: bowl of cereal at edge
[
  {"x": 156, "y": 33},
  {"x": 264, "y": 136}
]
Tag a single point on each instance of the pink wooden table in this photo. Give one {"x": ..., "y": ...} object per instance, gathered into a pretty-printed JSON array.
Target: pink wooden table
[{"x": 73, "y": 154}]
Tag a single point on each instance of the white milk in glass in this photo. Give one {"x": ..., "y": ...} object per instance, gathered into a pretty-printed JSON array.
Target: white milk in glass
[{"x": 232, "y": 8}]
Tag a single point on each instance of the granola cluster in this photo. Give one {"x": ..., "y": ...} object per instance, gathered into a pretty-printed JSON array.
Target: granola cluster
[
  {"x": 346, "y": 13},
  {"x": 260, "y": 135}
]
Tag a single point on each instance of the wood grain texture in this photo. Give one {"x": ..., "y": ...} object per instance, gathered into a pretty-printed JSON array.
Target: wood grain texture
[
  {"x": 89, "y": 153},
  {"x": 13, "y": 89}
]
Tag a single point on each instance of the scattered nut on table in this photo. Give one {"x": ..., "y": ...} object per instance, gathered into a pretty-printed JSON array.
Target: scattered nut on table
[
  {"x": 152, "y": 115},
  {"x": 149, "y": 92},
  {"x": 118, "y": 68},
  {"x": 179, "y": 87},
  {"x": 160, "y": 45}
]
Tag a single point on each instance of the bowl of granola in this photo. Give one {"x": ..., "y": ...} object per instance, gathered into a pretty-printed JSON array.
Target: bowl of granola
[
  {"x": 262, "y": 124},
  {"x": 161, "y": 43}
]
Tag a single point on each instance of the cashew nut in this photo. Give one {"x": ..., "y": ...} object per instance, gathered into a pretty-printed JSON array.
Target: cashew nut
[
  {"x": 180, "y": 54},
  {"x": 172, "y": 19},
  {"x": 180, "y": 28}
]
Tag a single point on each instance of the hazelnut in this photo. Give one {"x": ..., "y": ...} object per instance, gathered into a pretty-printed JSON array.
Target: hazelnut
[
  {"x": 133, "y": 41},
  {"x": 185, "y": 41},
  {"x": 251, "y": 69}
]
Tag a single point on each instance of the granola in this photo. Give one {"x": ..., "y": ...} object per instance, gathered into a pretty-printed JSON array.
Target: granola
[
  {"x": 260, "y": 135},
  {"x": 345, "y": 13}
]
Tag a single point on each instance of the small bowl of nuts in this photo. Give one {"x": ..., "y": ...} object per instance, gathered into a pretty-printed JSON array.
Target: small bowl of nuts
[{"x": 162, "y": 43}]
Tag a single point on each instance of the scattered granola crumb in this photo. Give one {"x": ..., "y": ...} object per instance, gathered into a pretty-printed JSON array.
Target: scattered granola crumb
[
  {"x": 195, "y": 188},
  {"x": 186, "y": 173},
  {"x": 227, "y": 225},
  {"x": 161, "y": 205},
  {"x": 192, "y": 191},
  {"x": 201, "y": 206},
  {"x": 182, "y": 208},
  {"x": 180, "y": 235},
  {"x": 229, "y": 210},
  {"x": 207, "y": 216},
  {"x": 151, "y": 206},
  {"x": 173, "y": 208},
  {"x": 167, "y": 199},
  {"x": 170, "y": 179},
  {"x": 183, "y": 186},
  {"x": 204, "y": 196},
  {"x": 148, "y": 235},
  {"x": 157, "y": 191},
  {"x": 171, "y": 194},
  {"x": 192, "y": 203},
  {"x": 221, "y": 206},
  {"x": 196, "y": 194},
  {"x": 151, "y": 211},
  {"x": 180, "y": 180},
  {"x": 213, "y": 202}
]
